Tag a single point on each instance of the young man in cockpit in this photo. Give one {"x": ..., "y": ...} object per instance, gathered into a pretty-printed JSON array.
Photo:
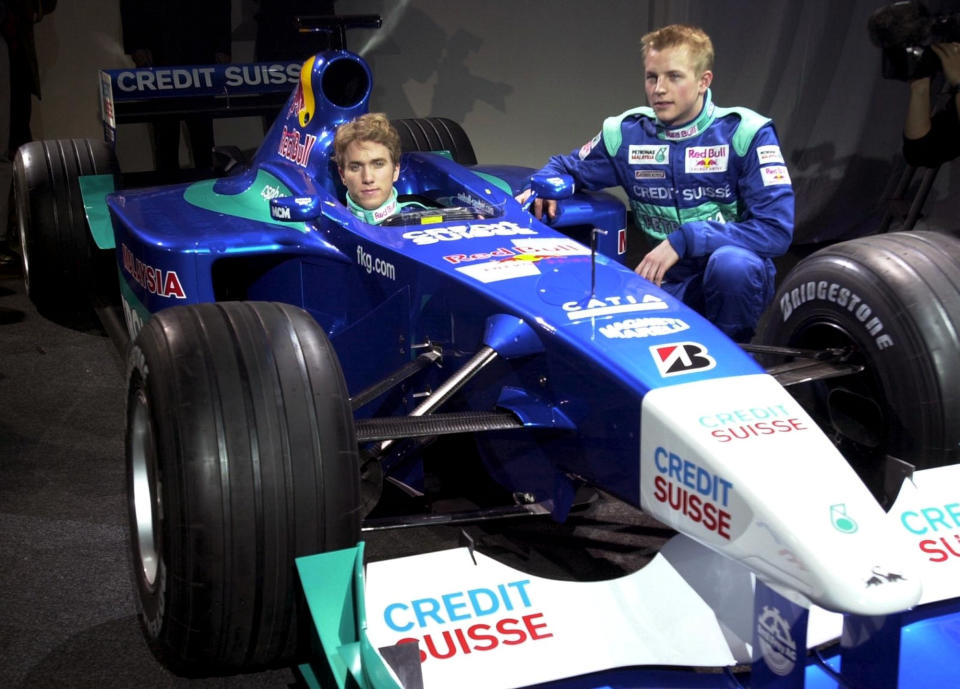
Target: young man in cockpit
[{"x": 367, "y": 151}]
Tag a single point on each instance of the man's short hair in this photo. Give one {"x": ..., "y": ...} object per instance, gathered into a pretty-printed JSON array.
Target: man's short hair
[
  {"x": 373, "y": 126},
  {"x": 696, "y": 41}
]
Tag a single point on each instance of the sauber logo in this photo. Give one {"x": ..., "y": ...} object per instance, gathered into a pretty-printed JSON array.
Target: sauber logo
[
  {"x": 681, "y": 357},
  {"x": 699, "y": 159}
]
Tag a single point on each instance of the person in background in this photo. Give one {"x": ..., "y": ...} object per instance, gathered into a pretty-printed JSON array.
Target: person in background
[
  {"x": 929, "y": 141},
  {"x": 19, "y": 83},
  {"x": 178, "y": 32}
]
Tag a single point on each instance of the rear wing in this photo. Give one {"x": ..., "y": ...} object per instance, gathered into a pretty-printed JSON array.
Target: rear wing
[{"x": 228, "y": 90}]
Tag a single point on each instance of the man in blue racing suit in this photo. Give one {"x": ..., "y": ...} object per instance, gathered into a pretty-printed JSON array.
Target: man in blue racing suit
[
  {"x": 367, "y": 150},
  {"x": 707, "y": 185}
]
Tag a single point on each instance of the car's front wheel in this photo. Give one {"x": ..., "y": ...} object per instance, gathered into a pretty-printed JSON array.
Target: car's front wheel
[
  {"x": 893, "y": 301},
  {"x": 241, "y": 456}
]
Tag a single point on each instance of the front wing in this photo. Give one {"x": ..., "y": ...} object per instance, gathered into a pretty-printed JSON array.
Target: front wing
[{"x": 690, "y": 618}]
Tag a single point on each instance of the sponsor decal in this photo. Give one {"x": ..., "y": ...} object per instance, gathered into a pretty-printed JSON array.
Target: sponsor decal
[
  {"x": 769, "y": 154},
  {"x": 723, "y": 193},
  {"x": 611, "y": 306},
  {"x": 481, "y": 206},
  {"x": 649, "y": 155},
  {"x": 590, "y": 145},
  {"x": 492, "y": 618},
  {"x": 654, "y": 223},
  {"x": 932, "y": 522},
  {"x": 279, "y": 212},
  {"x": 191, "y": 78},
  {"x": 777, "y": 647},
  {"x": 256, "y": 75},
  {"x": 166, "y": 79},
  {"x": 293, "y": 150},
  {"x": 877, "y": 577},
  {"x": 699, "y": 159},
  {"x": 132, "y": 318},
  {"x": 692, "y": 491},
  {"x": 457, "y": 232},
  {"x": 385, "y": 212},
  {"x": 375, "y": 265},
  {"x": 774, "y": 174},
  {"x": 296, "y": 103},
  {"x": 685, "y": 133},
  {"x": 843, "y": 297},
  {"x": 270, "y": 192},
  {"x": 751, "y": 422},
  {"x": 163, "y": 283},
  {"x": 679, "y": 358},
  {"x": 502, "y": 252},
  {"x": 653, "y": 193},
  {"x": 495, "y": 271},
  {"x": 548, "y": 247},
  {"x": 642, "y": 327},
  {"x": 621, "y": 241},
  {"x": 841, "y": 521},
  {"x": 649, "y": 174}
]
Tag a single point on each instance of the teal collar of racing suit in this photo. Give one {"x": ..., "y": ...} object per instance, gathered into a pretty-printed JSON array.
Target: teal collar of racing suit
[
  {"x": 377, "y": 215},
  {"x": 692, "y": 128}
]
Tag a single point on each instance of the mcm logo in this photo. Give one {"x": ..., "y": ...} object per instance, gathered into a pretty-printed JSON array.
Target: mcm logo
[
  {"x": 879, "y": 577},
  {"x": 681, "y": 357}
]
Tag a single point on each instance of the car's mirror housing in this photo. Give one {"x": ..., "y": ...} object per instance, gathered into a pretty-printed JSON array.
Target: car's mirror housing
[
  {"x": 551, "y": 186},
  {"x": 295, "y": 208}
]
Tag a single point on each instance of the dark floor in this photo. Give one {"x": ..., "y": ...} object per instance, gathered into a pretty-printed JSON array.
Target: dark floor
[{"x": 67, "y": 616}]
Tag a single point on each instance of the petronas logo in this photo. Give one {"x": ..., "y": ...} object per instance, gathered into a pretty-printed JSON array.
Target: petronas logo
[
  {"x": 841, "y": 522},
  {"x": 661, "y": 155}
]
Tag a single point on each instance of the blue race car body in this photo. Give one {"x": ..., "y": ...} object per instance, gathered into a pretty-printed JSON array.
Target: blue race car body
[{"x": 606, "y": 380}]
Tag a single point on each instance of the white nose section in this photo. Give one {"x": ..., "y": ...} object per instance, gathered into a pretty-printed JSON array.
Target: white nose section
[{"x": 738, "y": 465}]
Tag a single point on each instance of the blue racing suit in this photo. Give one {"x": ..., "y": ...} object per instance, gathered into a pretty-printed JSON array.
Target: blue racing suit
[
  {"x": 716, "y": 188},
  {"x": 388, "y": 208}
]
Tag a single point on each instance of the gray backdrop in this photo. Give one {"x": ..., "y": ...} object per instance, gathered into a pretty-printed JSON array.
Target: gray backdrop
[{"x": 529, "y": 78}]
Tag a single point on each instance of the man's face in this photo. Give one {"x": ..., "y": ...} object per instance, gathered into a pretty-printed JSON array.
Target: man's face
[
  {"x": 368, "y": 172},
  {"x": 674, "y": 89}
]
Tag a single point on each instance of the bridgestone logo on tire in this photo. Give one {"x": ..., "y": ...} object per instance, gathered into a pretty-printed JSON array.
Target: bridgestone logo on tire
[{"x": 841, "y": 296}]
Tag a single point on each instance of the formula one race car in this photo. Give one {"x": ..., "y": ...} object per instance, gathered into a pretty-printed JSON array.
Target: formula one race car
[{"x": 286, "y": 362}]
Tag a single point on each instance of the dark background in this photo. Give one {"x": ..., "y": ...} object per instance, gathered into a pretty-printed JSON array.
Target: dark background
[{"x": 526, "y": 79}]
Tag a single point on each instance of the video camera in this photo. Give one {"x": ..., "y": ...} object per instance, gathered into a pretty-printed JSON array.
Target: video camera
[{"x": 905, "y": 31}]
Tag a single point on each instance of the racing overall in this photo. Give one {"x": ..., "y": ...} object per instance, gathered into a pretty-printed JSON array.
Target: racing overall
[
  {"x": 390, "y": 207},
  {"x": 716, "y": 188}
]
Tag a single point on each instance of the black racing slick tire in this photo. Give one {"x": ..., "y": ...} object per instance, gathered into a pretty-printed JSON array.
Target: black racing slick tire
[
  {"x": 62, "y": 266},
  {"x": 241, "y": 456},
  {"x": 894, "y": 301},
  {"x": 436, "y": 134}
]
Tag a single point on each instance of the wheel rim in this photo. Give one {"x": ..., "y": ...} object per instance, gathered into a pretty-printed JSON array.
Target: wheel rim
[
  {"x": 840, "y": 406},
  {"x": 144, "y": 489},
  {"x": 22, "y": 232}
]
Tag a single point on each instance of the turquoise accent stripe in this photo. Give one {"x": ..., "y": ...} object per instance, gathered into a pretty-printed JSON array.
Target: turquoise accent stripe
[
  {"x": 495, "y": 181},
  {"x": 93, "y": 191},
  {"x": 252, "y": 204},
  {"x": 333, "y": 585}
]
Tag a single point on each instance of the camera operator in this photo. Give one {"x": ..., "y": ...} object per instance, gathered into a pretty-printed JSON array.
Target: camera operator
[{"x": 930, "y": 141}]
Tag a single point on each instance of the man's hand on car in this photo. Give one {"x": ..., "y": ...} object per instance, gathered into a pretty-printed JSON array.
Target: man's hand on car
[
  {"x": 657, "y": 262},
  {"x": 537, "y": 207}
]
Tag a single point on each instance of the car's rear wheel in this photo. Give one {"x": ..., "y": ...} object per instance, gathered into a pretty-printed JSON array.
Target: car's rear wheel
[
  {"x": 62, "y": 266},
  {"x": 241, "y": 456},
  {"x": 894, "y": 301},
  {"x": 436, "y": 134}
]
